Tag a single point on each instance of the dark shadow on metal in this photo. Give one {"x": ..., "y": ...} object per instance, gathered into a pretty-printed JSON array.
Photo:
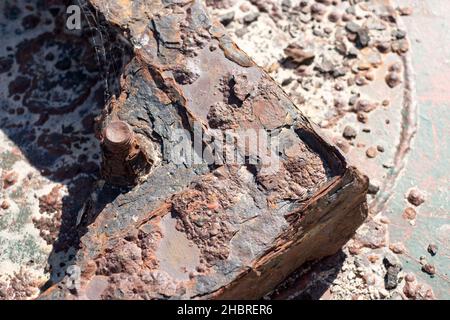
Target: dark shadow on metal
[{"x": 55, "y": 82}]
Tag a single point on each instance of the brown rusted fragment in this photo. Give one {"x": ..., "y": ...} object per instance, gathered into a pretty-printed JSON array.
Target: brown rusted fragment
[
  {"x": 118, "y": 137},
  {"x": 205, "y": 230}
]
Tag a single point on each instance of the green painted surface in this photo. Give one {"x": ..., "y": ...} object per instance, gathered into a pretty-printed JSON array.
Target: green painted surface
[{"x": 428, "y": 161}]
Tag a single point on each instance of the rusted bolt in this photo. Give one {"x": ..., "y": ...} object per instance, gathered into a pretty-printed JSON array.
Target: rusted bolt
[
  {"x": 118, "y": 136},
  {"x": 124, "y": 162}
]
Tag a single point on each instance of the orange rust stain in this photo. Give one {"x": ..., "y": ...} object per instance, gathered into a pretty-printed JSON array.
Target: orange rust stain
[
  {"x": 158, "y": 212},
  {"x": 271, "y": 116}
]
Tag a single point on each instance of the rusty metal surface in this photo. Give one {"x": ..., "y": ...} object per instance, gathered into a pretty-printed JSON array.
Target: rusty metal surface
[
  {"x": 206, "y": 230},
  {"x": 405, "y": 163},
  {"x": 382, "y": 143}
]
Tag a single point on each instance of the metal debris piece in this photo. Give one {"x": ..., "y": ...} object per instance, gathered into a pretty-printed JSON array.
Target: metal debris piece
[
  {"x": 124, "y": 162},
  {"x": 207, "y": 231}
]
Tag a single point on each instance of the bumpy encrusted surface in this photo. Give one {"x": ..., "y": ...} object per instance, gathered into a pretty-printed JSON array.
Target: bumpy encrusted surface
[{"x": 206, "y": 230}]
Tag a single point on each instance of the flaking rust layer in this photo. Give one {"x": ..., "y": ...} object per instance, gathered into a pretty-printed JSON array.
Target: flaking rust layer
[{"x": 204, "y": 231}]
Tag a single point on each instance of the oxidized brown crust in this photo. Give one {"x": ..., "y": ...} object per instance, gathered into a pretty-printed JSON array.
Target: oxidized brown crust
[
  {"x": 206, "y": 231},
  {"x": 124, "y": 162}
]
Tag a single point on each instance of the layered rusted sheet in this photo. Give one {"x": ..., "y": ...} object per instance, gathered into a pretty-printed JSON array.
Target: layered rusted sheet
[{"x": 206, "y": 230}]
